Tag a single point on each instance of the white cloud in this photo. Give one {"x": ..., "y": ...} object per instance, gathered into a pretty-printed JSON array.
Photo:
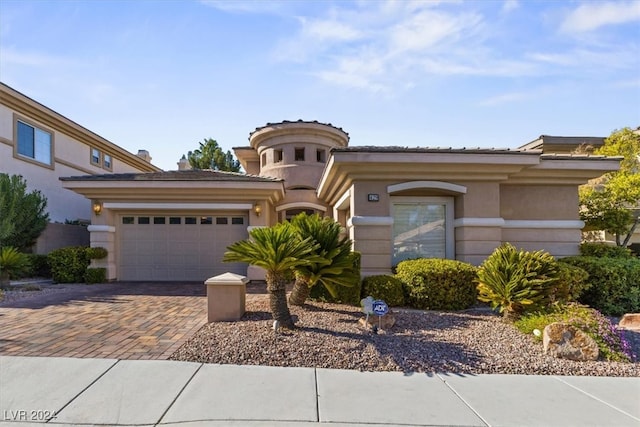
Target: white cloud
[
  {"x": 329, "y": 30},
  {"x": 505, "y": 98},
  {"x": 510, "y": 5},
  {"x": 593, "y": 15}
]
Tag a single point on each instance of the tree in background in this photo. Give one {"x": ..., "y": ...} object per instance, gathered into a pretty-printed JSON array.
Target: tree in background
[
  {"x": 23, "y": 215},
  {"x": 612, "y": 202},
  {"x": 210, "y": 156}
]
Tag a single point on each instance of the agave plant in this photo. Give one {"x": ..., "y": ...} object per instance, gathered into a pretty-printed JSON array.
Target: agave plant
[
  {"x": 333, "y": 264},
  {"x": 12, "y": 262},
  {"x": 514, "y": 281}
]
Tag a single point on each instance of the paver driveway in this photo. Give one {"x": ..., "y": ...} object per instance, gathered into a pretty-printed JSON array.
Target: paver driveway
[{"x": 116, "y": 320}]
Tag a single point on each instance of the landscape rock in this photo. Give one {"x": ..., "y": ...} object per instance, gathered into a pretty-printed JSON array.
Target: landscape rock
[
  {"x": 568, "y": 342},
  {"x": 630, "y": 321}
]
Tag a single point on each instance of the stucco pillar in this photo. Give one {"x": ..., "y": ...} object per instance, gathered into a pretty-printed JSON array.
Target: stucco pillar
[
  {"x": 372, "y": 237},
  {"x": 104, "y": 236}
]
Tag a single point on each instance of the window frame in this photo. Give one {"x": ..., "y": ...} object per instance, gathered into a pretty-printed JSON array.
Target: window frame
[
  {"x": 449, "y": 204},
  {"x": 97, "y": 162},
  {"x": 107, "y": 165},
  {"x": 36, "y": 126},
  {"x": 299, "y": 154}
]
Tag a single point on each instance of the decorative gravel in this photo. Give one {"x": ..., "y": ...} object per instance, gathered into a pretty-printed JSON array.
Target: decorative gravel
[{"x": 329, "y": 336}]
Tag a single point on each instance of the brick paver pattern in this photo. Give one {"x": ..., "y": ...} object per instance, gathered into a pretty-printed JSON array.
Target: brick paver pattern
[{"x": 116, "y": 320}]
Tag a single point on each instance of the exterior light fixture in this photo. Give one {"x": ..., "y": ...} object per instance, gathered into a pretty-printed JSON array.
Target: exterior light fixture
[
  {"x": 257, "y": 209},
  {"x": 97, "y": 207}
]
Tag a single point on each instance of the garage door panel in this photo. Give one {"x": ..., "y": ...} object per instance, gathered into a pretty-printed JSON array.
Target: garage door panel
[{"x": 177, "y": 251}]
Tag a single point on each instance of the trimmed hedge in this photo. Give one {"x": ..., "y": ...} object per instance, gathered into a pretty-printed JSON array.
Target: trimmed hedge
[
  {"x": 571, "y": 284},
  {"x": 95, "y": 275},
  {"x": 602, "y": 250},
  {"x": 614, "y": 283},
  {"x": 438, "y": 284},
  {"x": 97, "y": 253},
  {"x": 69, "y": 264},
  {"x": 386, "y": 288},
  {"x": 39, "y": 265}
]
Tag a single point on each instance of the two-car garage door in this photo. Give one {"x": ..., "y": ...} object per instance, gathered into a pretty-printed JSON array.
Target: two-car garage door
[{"x": 172, "y": 247}]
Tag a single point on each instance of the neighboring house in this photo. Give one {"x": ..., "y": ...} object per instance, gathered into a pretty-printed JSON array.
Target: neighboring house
[
  {"x": 42, "y": 146},
  {"x": 571, "y": 144},
  {"x": 396, "y": 202}
]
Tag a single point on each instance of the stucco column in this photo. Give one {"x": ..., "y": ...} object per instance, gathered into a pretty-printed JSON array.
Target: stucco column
[
  {"x": 372, "y": 237},
  {"x": 104, "y": 236}
]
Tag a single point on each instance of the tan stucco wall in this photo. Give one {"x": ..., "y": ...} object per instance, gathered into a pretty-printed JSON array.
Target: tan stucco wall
[
  {"x": 539, "y": 202},
  {"x": 71, "y": 158}
]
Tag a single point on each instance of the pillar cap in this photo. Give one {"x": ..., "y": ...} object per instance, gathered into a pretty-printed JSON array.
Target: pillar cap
[{"x": 227, "y": 279}]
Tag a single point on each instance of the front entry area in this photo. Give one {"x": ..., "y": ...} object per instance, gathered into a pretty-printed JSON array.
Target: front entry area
[{"x": 178, "y": 247}]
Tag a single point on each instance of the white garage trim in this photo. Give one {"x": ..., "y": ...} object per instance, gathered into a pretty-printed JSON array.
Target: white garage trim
[
  {"x": 180, "y": 206},
  {"x": 104, "y": 228}
]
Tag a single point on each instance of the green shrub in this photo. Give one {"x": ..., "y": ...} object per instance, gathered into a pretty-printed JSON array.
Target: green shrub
[
  {"x": 516, "y": 281},
  {"x": 68, "y": 265},
  {"x": 611, "y": 343},
  {"x": 95, "y": 275},
  {"x": 97, "y": 253},
  {"x": 13, "y": 264},
  {"x": 572, "y": 282},
  {"x": 386, "y": 288},
  {"x": 437, "y": 284},
  {"x": 614, "y": 284},
  {"x": 602, "y": 250},
  {"x": 39, "y": 265},
  {"x": 342, "y": 294}
]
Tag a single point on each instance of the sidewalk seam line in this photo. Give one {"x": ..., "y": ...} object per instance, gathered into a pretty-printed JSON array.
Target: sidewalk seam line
[
  {"x": 315, "y": 378},
  {"x": 596, "y": 398},
  {"x": 178, "y": 395},
  {"x": 84, "y": 389},
  {"x": 464, "y": 401}
]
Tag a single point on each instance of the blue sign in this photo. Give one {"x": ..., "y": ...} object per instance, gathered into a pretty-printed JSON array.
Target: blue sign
[{"x": 380, "y": 308}]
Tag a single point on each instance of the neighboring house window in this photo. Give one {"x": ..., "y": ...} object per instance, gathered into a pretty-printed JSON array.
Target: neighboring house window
[
  {"x": 422, "y": 228},
  {"x": 299, "y": 155},
  {"x": 95, "y": 156},
  {"x": 320, "y": 156},
  {"x": 106, "y": 162},
  {"x": 277, "y": 156},
  {"x": 34, "y": 143}
]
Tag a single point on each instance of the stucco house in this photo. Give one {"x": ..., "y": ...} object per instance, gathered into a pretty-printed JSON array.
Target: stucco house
[
  {"x": 395, "y": 202},
  {"x": 42, "y": 146}
]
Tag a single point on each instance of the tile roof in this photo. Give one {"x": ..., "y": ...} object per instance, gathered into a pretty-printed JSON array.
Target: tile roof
[
  {"x": 187, "y": 175},
  {"x": 285, "y": 122},
  {"x": 399, "y": 149}
]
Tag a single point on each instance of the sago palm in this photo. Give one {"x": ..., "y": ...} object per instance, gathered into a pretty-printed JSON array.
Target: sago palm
[
  {"x": 278, "y": 250},
  {"x": 513, "y": 281},
  {"x": 333, "y": 265},
  {"x": 12, "y": 262}
]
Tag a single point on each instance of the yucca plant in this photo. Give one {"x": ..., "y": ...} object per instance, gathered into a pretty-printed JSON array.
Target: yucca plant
[
  {"x": 12, "y": 262},
  {"x": 514, "y": 281},
  {"x": 333, "y": 264}
]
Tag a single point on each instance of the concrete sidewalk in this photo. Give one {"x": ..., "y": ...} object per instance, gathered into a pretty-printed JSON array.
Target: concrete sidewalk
[{"x": 66, "y": 391}]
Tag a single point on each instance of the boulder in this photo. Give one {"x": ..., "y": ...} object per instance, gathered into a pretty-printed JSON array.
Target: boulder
[
  {"x": 386, "y": 322},
  {"x": 568, "y": 342},
  {"x": 630, "y": 321}
]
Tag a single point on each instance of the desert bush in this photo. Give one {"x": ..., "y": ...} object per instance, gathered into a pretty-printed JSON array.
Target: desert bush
[
  {"x": 611, "y": 343},
  {"x": 39, "y": 265},
  {"x": 571, "y": 283},
  {"x": 386, "y": 288},
  {"x": 602, "y": 250},
  {"x": 516, "y": 281},
  {"x": 614, "y": 283},
  {"x": 95, "y": 275},
  {"x": 437, "y": 284},
  {"x": 97, "y": 252},
  {"x": 69, "y": 264}
]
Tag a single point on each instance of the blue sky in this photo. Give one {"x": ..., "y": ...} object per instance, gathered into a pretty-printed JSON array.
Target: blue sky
[{"x": 164, "y": 75}]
